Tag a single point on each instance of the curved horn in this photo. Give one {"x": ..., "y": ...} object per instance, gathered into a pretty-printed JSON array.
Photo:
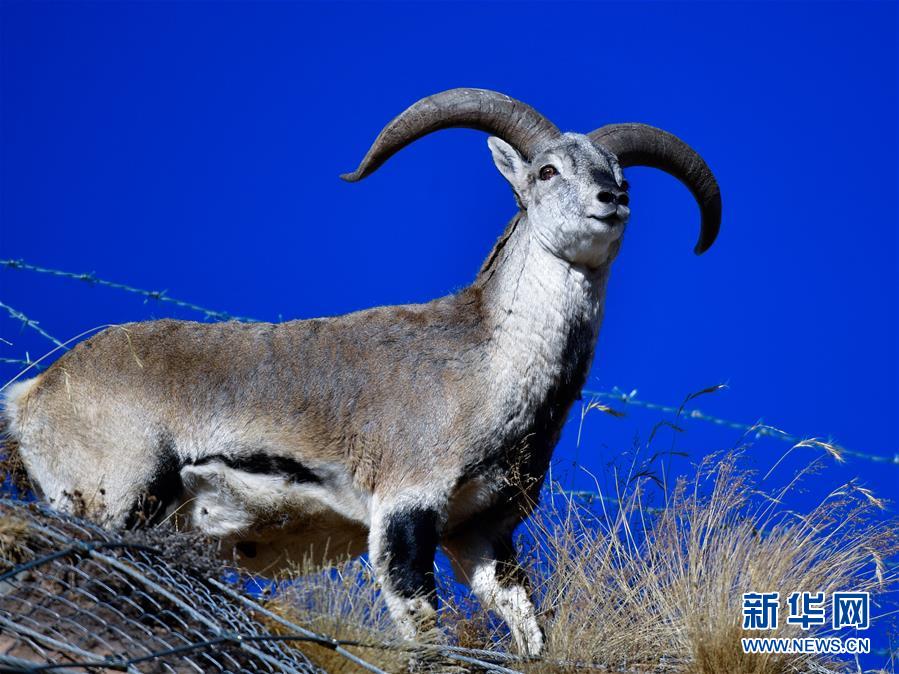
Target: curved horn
[
  {"x": 515, "y": 122},
  {"x": 644, "y": 145}
]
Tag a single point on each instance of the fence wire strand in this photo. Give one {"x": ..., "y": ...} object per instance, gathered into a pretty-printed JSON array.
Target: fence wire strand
[
  {"x": 28, "y": 322},
  {"x": 758, "y": 429},
  {"x": 92, "y": 279}
]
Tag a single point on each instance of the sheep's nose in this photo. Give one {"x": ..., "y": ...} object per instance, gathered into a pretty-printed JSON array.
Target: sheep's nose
[{"x": 619, "y": 198}]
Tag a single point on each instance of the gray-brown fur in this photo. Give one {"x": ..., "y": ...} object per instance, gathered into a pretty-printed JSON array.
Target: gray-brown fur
[{"x": 389, "y": 429}]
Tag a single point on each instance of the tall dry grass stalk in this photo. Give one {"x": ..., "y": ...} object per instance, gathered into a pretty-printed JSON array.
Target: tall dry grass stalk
[
  {"x": 633, "y": 590},
  {"x": 630, "y": 588}
]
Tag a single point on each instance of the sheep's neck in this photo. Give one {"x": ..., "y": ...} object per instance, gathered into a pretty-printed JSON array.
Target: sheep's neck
[{"x": 544, "y": 316}]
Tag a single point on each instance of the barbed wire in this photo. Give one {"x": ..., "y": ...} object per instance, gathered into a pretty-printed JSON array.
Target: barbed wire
[
  {"x": 29, "y": 322},
  {"x": 92, "y": 279},
  {"x": 759, "y": 429},
  {"x": 616, "y": 394}
]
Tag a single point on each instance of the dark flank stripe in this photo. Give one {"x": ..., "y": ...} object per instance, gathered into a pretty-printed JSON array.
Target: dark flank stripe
[{"x": 264, "y": 464}]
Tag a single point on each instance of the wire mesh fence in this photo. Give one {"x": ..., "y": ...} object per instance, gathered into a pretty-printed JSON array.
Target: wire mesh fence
[{"x": 76, "y": 597}]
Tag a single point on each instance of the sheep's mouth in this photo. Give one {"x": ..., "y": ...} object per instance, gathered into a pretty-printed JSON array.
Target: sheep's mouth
[{"x": 610, "y": 219}]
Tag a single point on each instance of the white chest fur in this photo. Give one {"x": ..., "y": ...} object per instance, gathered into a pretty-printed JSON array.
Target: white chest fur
[{"x": 539, "y": 304}]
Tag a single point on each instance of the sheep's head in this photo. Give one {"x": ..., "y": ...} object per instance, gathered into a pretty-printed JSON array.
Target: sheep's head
[
  {"x": 571, "y": 185},
  {"x": 574, "y": 193}
]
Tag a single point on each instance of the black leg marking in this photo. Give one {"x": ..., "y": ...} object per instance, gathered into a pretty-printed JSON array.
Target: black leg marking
[
  {"x": 163, "y": 489},
  {"x": 264, "y": 464},
  {"x": 410, "y": 543}
]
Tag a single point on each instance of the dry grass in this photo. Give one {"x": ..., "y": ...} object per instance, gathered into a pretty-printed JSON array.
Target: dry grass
[
  {"x": 13, "y": 531},
  {"x": 13, "y": 535},
  {"x": 629, "y": 588},
  {"x": 633, "y": 590},
  {"x": 12, "y": 468},
  {"x": 343, "y": 602}
]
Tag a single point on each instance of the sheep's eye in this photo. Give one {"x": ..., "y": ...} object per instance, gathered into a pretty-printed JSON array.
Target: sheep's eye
[
  {"x": 547, "y": 172},
  {"x": 625, "y": 185}
]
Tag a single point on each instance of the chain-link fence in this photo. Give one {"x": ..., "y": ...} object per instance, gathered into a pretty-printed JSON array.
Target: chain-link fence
[{"x": 75, "y": 597}]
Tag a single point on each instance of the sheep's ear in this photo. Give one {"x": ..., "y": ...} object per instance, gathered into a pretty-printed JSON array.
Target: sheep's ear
[{"x": 513, "y": 167}]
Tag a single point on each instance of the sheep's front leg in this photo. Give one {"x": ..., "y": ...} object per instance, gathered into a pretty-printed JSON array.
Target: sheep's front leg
[
  {"x": 402, "y": 543},
  {"x": 489, "y": 566}
]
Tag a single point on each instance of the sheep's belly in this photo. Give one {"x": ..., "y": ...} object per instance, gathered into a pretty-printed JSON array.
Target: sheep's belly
[
  {"x": 325, "y": 537},
  {"x": 269, "y": 523}
]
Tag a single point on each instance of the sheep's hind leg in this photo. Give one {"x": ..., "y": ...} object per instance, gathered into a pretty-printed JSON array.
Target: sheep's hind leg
[
  {"x": 403, "y": 540},
  {"x": 489, "y": 566}
]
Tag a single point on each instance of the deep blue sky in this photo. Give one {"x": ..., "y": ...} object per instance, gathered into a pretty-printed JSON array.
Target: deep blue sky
[{"x": 196, "y": 147}]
